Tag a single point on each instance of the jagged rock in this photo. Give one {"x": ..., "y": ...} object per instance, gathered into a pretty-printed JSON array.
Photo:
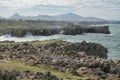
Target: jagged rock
[
  {"x": 18, "y": 33},
  {"x": 16, "y": 75},
  {"x": 77, "y": 30},
  {"x": 1, "y": 57},
  {"x": 6, "y": 75},
  {"x": 82, "y": 70},
  {"x": 74, "y": 58}
]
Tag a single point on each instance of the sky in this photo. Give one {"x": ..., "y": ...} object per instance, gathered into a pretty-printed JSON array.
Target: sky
[{"x": 105, "y": 9}]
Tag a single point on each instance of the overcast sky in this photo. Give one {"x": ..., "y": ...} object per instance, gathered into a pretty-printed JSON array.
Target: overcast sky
[{"x": 106, "y": 9}]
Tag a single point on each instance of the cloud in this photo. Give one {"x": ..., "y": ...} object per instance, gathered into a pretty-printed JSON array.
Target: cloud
[
  {"x": 45, "y": 10},
  {"x": 18, "y": 4},
  {"x": 83, "y": 4},
  {"x": 98, "y": 4}
]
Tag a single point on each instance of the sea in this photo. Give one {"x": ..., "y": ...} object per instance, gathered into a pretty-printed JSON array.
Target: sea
[{"x": 110, "y": 41}]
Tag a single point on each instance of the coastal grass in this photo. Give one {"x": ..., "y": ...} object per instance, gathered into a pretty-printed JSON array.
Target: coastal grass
[
  {"x": 17, "y": 65},
  {"x": 32, "y": 42}
]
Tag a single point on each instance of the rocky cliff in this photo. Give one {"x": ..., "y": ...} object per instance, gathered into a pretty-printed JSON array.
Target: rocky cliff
[{"x": 65, "y": 31}]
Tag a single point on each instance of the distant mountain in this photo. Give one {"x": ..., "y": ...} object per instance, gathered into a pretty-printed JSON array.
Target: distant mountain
[
  {"x": 1, "y": 17},
  {"x": 16, "y": 16},
  {"x": 69, "y": 17},
  {"x": 75, "y": 17},
  {"x": 63, "y": 17}
]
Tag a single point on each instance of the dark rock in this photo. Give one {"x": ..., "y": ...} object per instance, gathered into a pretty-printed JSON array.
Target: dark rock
[
  {"x": 1, "y": 57},
  {"x": 16, "y": 75},
  {"x": 47, "y": 74},
  {"x": 6, "y": 75},
  {"x": 87, "y": 79},
  {"x": 18, "y": 33},
  {"x": 77, "y": 30},
  {"x": 103, "y": 77}
]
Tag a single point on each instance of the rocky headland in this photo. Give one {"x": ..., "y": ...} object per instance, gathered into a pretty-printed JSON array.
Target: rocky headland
[
  {"x": 76, "y": 30},
  {"x": 20, "y": 28},
  {"x": 78, "y": 59}
]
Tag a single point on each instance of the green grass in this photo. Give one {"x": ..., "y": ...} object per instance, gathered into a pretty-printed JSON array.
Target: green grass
[
  {"x": 10, "y": 64},
  {"x": 33, "y": 42},
  {"x": 16, "y": 65}
]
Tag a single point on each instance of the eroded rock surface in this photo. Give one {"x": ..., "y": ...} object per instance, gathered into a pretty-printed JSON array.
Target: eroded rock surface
[
  {"x": 25, "y": 75},
  {"x": 74, "y": 58},
  {"x": 76, "y": 30}
]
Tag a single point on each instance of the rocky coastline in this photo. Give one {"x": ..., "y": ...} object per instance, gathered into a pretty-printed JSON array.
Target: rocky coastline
[
  {"x": 74, "y": 58},
  {"x": 76, "y": 30}
]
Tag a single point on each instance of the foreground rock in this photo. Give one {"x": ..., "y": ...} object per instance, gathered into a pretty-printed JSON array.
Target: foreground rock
[
  {"x": 25, "y": 75},
  {"x": 74, "y": 58},
  {"x": 57, "y": 47}
]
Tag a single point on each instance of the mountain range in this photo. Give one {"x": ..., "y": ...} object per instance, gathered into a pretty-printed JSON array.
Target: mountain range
[
  {"x": 62, "y": 17},
  {"x": 1, "y": 17}
]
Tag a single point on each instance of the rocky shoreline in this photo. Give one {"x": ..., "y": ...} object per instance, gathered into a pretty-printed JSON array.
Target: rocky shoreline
[
  {"x": 76, "y": 30},
  {"x": 73, "y": 58}
]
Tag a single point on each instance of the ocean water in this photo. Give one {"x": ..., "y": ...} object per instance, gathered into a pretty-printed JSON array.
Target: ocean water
[{"x": 110, "y": 41}]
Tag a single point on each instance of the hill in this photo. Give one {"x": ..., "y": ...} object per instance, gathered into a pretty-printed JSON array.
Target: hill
[{"x": 62, "y": 17}]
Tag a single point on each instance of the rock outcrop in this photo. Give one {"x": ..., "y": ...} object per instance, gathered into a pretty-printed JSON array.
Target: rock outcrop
[
  {"x": 60, "y": 48},
  {"x": 74, "y": 58},
  {"x": 25, "y": 75},
  {"x": 77, "y": 30}
]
